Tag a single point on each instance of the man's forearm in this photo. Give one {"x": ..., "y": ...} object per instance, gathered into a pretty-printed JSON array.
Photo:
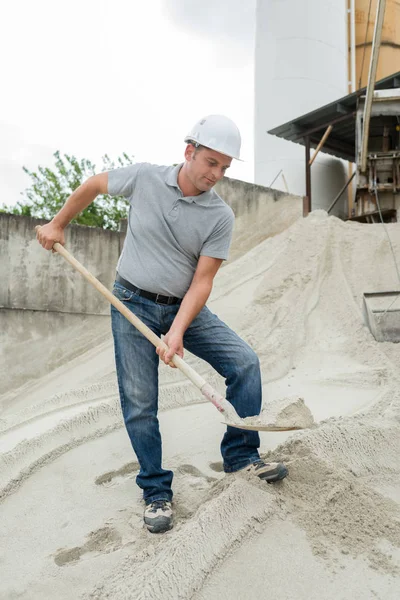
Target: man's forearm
[
  {"x": 194, "y": 300},
  {"x": 78, "y": 201}
]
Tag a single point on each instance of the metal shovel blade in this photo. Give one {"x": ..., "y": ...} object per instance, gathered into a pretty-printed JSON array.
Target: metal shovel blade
[{"x": 263, "y": 427}]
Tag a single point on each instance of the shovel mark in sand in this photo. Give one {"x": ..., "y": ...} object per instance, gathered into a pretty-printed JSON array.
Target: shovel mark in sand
[
  {"x": 127, "y": 469},
  {"x": 216, "y": 466},
  {"x": 104, "y": 540},
  {"x": 193, "y": 489},
  {"x": 195, "y": 472}
]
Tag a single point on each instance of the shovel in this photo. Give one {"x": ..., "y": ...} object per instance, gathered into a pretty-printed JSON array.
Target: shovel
[{"x": 229, "y": 413}]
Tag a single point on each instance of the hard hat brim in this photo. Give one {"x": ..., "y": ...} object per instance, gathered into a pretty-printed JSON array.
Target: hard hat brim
[{"x": 189, "y": 140}]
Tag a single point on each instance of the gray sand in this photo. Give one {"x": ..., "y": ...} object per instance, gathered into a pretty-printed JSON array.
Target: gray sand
[{"x": 284, "y": 412}]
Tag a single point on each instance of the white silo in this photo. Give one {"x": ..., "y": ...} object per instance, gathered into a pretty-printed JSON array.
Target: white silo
[{"x": 300, "y": 64}]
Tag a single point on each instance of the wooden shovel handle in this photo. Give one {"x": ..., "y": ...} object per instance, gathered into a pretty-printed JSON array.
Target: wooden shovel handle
[
  {"x": 221, "y": 403},
  {"x": 194, "y": 377}
]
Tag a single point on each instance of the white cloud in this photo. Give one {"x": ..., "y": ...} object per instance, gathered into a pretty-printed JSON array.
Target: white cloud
[{"x": 230, "y": 24}]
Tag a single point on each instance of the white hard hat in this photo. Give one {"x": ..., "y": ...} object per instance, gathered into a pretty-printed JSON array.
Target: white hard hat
[{"x": 217, "y": 133}]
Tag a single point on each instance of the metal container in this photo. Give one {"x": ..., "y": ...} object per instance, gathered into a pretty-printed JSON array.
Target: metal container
[{"x": 382, "y": 315}]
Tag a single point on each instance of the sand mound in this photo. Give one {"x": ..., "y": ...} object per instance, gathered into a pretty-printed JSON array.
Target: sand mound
[
  {"x": 284, "y": 412},
  {"x": 330, "y": 530}
]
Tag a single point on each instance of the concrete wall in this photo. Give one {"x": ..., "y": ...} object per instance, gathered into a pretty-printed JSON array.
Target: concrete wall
[
  {"x": 33, "y": 278},
  {"x": 260, "y": 212},
  {"x": 34, "y": 343}
]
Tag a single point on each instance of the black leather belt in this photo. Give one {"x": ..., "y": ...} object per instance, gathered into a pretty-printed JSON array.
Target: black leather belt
[{"x": 159, "y": 298}]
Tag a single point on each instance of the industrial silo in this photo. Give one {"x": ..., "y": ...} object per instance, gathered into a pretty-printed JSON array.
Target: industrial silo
[{"x": 301, "y": 63}]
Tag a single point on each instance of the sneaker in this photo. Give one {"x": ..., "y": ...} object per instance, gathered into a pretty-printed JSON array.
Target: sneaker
[
  {"x": 269, "y": 472},
  {"x": 158, "y": 516}
]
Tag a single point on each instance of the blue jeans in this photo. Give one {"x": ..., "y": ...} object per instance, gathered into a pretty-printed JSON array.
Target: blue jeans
[{"x": 137, "y": 371}]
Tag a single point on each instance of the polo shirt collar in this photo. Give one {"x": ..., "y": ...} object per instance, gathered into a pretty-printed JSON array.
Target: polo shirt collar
[{"x": 204, "y": 199}]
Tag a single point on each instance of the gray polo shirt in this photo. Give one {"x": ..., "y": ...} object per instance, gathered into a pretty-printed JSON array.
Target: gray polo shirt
[{"x": 167, "y": 232}]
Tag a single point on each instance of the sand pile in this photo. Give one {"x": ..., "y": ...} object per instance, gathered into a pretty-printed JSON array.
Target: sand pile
[
  {"x": 291, "y": 413},
  {"x": 330, "y": 530}
]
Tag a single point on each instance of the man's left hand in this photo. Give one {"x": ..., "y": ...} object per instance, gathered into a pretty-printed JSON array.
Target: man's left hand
[{"x": 174, "y": 341}]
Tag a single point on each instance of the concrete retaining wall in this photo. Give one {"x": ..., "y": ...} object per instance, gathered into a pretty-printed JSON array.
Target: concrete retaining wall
[
  {"x": 260, "y": 212},
  {"x": 34, "y": 343},
  {"x": 33, "y": 278}
]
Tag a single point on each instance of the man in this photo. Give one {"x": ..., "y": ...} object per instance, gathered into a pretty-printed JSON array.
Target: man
[{"x": 179, "y": 233}]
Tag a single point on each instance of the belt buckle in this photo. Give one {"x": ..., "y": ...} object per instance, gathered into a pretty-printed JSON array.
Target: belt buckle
[{"x": 160, "y": 301}]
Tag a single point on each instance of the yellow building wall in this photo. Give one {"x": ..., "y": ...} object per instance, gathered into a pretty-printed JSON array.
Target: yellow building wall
[{"x": 389, "y": 54}]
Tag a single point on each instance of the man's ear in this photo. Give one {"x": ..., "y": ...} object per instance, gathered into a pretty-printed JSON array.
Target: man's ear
[{"x": 189, "y": 152}]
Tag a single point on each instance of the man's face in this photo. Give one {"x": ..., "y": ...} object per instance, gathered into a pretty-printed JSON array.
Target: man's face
[{"x": 205, "y": 167}]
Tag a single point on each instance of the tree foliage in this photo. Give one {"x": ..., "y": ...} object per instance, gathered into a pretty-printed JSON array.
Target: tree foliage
[{"x": 51, "y": 187}]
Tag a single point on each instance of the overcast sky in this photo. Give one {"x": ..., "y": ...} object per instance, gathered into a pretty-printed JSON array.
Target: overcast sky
[{"x": 92, "y": 77}]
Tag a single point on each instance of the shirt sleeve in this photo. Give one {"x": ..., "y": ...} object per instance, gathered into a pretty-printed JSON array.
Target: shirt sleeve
[
  {"x": 121, "y": 182},
  {"x": 218, "y": 243}
]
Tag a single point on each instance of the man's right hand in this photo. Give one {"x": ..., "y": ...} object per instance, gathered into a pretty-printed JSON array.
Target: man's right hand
[
  {"x": 76, "y": 203},
  {"x": 50, "y": 233}
]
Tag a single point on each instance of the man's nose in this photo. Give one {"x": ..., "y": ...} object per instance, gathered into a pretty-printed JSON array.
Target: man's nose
[{"x": 217, "y": 173}]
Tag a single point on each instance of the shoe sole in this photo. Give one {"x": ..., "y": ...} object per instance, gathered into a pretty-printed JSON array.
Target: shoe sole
[
  {"x": 277, "y": 476},
  {"x": 160, "y": 527}
]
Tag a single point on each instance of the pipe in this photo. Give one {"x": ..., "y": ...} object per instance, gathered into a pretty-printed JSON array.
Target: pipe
[
  {"x": 353, "y": 44},
  {"x": 307, "y": 206},
  {"x": 285, "y": 182},
  {"x": 274, "y": 179},
  {"x": 321, "y": 143},
  {"x": 344, "y": 188},
  {"x": 376, "y": 42}
]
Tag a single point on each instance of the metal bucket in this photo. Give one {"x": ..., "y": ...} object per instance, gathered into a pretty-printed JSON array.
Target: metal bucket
[{"x": 382, "y": 315}]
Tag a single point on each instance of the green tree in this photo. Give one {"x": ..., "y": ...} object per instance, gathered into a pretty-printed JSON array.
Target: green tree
[{"x": 51, "y": 187}]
